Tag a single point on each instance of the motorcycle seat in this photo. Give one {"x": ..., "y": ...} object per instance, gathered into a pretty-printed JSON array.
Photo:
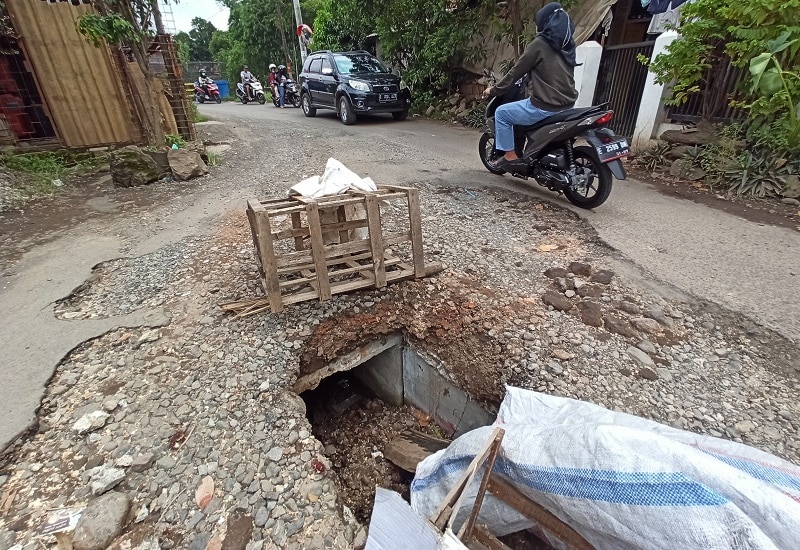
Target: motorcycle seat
[{"x": 562, "y": 116}]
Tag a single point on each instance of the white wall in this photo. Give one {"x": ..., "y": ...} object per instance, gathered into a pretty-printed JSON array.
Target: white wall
[
  {"x": 651, "y": 109},
  {"x": 588, "y": 56}
]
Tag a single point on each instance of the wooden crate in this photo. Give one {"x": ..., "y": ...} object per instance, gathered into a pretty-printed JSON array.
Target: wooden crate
[{"x": 314, "y": 248}]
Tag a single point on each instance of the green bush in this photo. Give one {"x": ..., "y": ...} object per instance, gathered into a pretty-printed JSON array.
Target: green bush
[{"x": 761, "y": 37}]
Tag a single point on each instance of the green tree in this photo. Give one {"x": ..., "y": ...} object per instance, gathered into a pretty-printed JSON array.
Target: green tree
[
  {"x": 182, "y": 43},
  {"x": 260, "y": 32},
  {"x": 200, "y": 39}
]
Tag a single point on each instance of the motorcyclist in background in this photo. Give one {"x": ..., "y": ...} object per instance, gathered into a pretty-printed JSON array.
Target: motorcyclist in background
[
  {"x": 281, "y": 79},
  {"x": 273, "y": 79},
  {"x": 204, "y": 81},
  {"x": 247, "y": 77}
]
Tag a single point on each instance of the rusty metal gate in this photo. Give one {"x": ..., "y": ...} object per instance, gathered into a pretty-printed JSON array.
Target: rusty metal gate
[{"x": 621, "y": 81}]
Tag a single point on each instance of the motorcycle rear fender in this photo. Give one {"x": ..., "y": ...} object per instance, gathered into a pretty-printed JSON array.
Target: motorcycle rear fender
[{"x": 615, "y": 165}]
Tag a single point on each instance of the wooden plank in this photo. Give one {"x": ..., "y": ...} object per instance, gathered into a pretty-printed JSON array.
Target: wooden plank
[
  {"x": 318, "y": 252},
  {"x": 344, "y": 233},
  {"x": 298, "y": 231},
  {"x": 266, "y": 252},
  {"x": 412, "y": 447},
  {"x": 310, "y": 278},
  {"x": 341, "y": 287},
  {"x": 332, "y": 251},
  {"x": 465, "y": 532},
  {"x": 449, "y": 506},
  {"x": 255, "y": 205},
  {"x": 534, "y": 511},
  {"x": 416, "y": 233},
  {"x": 376, "y": 240},
  {"x": 342, "y": 227},
  {"x": 329, "y": 262},
  {"x": 287, "y": 210},
  {"x": 488, "y": 540}
]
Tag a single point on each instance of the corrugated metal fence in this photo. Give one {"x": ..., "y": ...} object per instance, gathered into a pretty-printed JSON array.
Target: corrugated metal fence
[{"x": 77, "y": 81}]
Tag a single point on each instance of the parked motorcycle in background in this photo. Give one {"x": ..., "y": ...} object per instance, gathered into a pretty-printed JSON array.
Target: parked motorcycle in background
[
  {"x": 291, "y": 97},
  {"x": 256, "y": 90},
  {"x": 583, "y": 173},
  {"x": 208, "y": 93}
]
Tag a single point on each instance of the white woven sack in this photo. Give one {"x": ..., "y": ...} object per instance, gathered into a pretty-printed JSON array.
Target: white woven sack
[{"x": 624, "y": 482}]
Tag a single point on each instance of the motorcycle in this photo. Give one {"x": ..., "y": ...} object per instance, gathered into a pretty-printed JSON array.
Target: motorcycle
[
  {"x": 583, "y": 173},
  {"x": 291, "y": 97},
  {"x": 256, "y": 91},
  {"x": 210, "y": 92}
]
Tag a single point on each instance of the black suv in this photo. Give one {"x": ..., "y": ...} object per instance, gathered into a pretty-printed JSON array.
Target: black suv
[{"x": 351, "y": 83}]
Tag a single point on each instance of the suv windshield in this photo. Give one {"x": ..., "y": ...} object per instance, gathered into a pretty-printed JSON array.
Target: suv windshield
[{"x": 358, "y": 63}]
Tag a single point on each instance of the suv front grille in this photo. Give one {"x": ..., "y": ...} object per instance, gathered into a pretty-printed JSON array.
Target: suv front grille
[{"x": 385, "y": 88}]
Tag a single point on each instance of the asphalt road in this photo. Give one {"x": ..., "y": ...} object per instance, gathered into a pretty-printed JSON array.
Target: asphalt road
[
  {"x": 742, "y": 266},
  {"x": 674, "y": 245}
]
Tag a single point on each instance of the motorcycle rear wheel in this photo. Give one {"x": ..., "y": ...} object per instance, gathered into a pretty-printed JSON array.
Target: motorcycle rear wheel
[
  {"x": 486, "y": 150},
  {"x": 243, "y": 99},
  {"x": 296, "y": 101},
  {"x": 598, "y": 184},
  {"x": 200, "y": 99}
]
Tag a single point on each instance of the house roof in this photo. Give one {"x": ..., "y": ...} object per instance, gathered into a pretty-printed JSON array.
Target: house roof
[{"x": 73, "y": 2}]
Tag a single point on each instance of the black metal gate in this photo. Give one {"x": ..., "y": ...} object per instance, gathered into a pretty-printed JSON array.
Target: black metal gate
[{"x": 620, "y": 82}]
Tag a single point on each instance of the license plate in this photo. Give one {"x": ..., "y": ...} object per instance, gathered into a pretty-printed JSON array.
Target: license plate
[
  {"x": 613, "y": 150},
  {"x": 387, "y": 97}
]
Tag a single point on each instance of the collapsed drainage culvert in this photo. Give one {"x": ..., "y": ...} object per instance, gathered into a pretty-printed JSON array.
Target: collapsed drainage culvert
[{"x": 360, "y": 406}]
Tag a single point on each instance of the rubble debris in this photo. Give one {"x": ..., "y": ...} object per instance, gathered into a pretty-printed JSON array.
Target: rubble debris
[
  {"x": 90, "y": 422},
  {"x": 102, "y": 522}
]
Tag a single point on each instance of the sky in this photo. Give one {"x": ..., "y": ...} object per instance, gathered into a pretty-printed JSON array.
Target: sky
[{"x": 186, "y": 10}]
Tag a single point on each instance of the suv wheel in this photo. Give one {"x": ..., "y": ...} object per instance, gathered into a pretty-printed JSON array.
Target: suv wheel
[
  {"x": 400, "y": 115},
  {"x": 346, "y": 114},
  {"x": 308, "y": 110}
]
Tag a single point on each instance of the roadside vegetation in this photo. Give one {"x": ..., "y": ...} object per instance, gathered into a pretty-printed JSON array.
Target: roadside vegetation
[
  {"x": 43, "y": 173},
  {"x": 759, "y": 156}
]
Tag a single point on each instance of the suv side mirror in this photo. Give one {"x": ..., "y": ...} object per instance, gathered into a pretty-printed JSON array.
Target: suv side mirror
[{"x": 327, "y": 71}]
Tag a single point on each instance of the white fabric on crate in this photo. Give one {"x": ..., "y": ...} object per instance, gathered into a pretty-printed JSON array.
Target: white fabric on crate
[
  {"x": 624, "y": 482},
  {"x": 336, "y": 179}
]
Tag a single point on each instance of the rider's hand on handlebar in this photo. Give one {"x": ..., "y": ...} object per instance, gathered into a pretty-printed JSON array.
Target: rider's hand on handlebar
[{"x": 487, "y": 92}]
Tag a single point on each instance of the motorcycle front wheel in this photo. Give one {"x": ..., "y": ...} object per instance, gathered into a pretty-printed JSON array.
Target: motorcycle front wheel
[
  {"x": 296, "y": 101},
  {"x": 486, "y": 150},
  {"x": 218, "y": 98},
  {"x": 276, "y": 100},
  {"x": 262, "y": 99},
  {"x": 595, "y": 180}
]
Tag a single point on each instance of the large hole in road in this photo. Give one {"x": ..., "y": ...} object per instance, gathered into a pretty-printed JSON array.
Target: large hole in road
[{"x": 366, "y": 400}]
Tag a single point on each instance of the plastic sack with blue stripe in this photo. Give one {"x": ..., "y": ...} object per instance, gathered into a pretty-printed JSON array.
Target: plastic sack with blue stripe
[{"x": 623, "y": 482}]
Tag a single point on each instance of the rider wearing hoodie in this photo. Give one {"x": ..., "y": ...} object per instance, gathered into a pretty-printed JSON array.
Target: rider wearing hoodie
[{"x": 549, "y": 61}]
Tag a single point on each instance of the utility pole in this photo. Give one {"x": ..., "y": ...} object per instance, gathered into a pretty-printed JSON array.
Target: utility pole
[{"x": 299, "y": 20}]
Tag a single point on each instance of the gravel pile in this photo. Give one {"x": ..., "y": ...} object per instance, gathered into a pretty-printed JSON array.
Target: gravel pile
[{"x": 197, "y": 426}]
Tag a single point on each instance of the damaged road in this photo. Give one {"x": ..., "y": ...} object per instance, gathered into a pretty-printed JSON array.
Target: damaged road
[{"x": 530, "y": 296}]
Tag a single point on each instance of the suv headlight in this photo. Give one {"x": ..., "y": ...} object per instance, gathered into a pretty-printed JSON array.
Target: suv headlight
[
  {"x": 358, "y": 85},
  {"x": 403, "y": 85}
]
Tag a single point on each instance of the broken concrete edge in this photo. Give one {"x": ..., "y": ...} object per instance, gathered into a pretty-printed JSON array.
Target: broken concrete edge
[
  {"x": 8, "y": 448},
  {"x": 346, "y": 362}
]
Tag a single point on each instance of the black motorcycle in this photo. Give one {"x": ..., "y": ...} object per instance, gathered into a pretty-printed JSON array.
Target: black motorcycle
[
  {"x": 291, "y": 94},
  {"x": 550, "y": 155}
]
